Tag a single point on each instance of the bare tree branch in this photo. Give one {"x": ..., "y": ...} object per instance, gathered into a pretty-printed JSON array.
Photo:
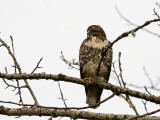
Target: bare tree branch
[
  {"x": 123, "y": 35},
  {"x": 70, "y": 64},
  {"x": 142, "y": 87},
  {"x": 62, "y": 97},
  {"x": 145, "y": 105},
  {"x": 131, "y": 23},
  {"x": 66, "y": 113},
  {"x": 149, "y": 78},
  {"x": 127, "y": 98},
  {"x": 147, "y": 90},
  {"x": 140, "y": 116},
  {"x": 155, "y": 13},
  {"x": 115, "y": 72},
  {"x": 15, "y": 87},
  {"x": 37, "y": 66},
  {"x": 13, "y": 53},
  {"x": 120, "y": 69},
  {"x": 61, "y": 77},
  {"x": 15, "y": 69},
  {"x": 20, "y": 71},
  {"x": 77, "y": 108},
  {"x": 158, "y": 4}
]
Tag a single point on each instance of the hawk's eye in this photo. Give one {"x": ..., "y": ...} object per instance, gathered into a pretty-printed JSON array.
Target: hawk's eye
[{"x": 94, "y": 30}]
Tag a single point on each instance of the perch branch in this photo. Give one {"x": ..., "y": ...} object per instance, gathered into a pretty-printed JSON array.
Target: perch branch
[{"x": 61, "y": 77}]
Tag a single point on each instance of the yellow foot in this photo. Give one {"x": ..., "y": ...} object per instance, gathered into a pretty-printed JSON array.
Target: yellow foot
[{"x": 90, "y": 79}]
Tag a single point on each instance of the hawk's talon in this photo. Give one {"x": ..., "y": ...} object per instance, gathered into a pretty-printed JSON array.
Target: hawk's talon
[{"x": 89, "y": 79}]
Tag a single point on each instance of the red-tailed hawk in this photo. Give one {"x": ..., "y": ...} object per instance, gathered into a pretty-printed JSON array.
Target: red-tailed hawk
[{"x": 89, "y": 56}]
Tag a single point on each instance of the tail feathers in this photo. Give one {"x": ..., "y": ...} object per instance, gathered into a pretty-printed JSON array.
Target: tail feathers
[{"x": 93, "y": 94}]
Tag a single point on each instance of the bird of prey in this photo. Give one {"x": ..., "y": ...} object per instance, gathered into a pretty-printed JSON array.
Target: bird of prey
[{"x": 90, "y": 54}]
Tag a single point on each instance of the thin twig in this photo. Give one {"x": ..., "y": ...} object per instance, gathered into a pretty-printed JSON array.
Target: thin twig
[
  {"x": 127, "y": 98},
  {"x": 78, "y": 108},
  {"x": 114, "y": 70},
  {"x": 12, "y": 44},
  {"x": 158, "y": 4},
  {"x": 149, "y": 78},
  {"x": 15, "y": 87},
  {"x": 145, "y": 105},
  {"x": 6, "y": 69},
  {"x": 147, "y": 90},
  {"x": 20, "y": 71},
  {"x": 123, "y": 35},
  {"x": 23, "y": 111},
  {"x": 140, "y": 116},
  {"x": 142, "y": 87},
  {"x": 37, "y": 66},
  {"x": 157, "y": 83},
  {"x": 106, "y": 99},
  {"x": 131, "y": 23},
  {"x": 120, "y": 69},
  {"x": 15, "y": 69},
  {"x": 70, "y": 64},
  {"x": 155, "y": 13},
  {"x": 62, "y": 97}
]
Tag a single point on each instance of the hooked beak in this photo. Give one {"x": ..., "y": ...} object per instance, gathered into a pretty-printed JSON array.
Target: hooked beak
[{"x": 88, "y": 33}]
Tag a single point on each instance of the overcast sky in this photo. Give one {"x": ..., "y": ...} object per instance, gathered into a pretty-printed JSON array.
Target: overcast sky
[{"x": 44, "y": 28}]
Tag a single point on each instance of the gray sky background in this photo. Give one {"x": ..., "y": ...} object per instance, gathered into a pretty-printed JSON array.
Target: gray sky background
[{"x": 44, "y": 28}]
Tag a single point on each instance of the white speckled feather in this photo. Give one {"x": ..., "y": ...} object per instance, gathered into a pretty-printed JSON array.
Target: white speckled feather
[{"x": 96, "y": 43}]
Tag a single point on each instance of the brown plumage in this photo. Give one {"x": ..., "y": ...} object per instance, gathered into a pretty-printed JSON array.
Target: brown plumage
[{"x": 89, "y": 57}]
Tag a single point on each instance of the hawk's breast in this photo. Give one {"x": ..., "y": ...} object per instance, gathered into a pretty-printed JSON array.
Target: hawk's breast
[
  {"x": 95, "y": 42},
  {"x": 90, "y": 56}
]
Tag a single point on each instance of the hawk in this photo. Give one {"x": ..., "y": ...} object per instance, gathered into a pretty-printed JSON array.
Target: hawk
[{"x": 90, "y": 54}]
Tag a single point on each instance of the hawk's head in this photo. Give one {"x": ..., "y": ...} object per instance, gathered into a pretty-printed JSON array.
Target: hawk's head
[{"x": 96, "y": 31}]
